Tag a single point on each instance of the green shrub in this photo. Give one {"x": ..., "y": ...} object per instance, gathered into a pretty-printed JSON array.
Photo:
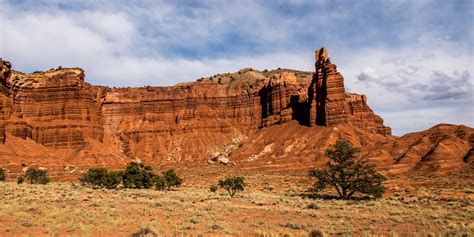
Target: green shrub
[
  {"x": 158, "y": 182},
  {"x": 101, "y": 178},
  {"x": 37, "y": 176},
  {"x": 172, "y": 179},
  {"x": 20, "y": 180},
  {"x": 347, "y": 174},
  {"x": 93, "y": 177},
  {"x": 113, "y": 179},
  {"x": 2, "y": 174},
  {"x": 137, "y": 175},
  {"x": 213, "y": 188},
  {"x": 232, "y": 184}
]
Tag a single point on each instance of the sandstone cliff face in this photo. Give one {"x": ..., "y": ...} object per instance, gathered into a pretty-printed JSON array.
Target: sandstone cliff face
[
  {"x": 362, "y": 116},
  {"x": 5, "y": 72},
  {"x": 178, "y": 123},
  {"x": 188, "y": 122},
  {"x": 191, "y": 121},
  {"x": 55, "y": 108},
  {"x": 283, "y": 98},
  {"x": 331, "y": 105}
]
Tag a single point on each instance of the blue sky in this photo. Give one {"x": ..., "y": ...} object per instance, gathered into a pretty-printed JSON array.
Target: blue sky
[{"x": 412, "y": 58}]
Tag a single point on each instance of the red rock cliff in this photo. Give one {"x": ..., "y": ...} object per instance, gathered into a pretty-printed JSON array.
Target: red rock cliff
[
  {"x": 5, "y": 72},
  {"x": 186, "y": 122},
  {"x": 331, "y": 105},
  {"x": 54, "y": 108}
]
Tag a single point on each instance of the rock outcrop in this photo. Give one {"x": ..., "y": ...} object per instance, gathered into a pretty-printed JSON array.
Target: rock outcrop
[
  {"x": 328, "y": 96},
  {"x": 54, "y": 108},
  {"x": 73, "y": 123},
  {"x": 282, "y": 99},
  {"x": 5, "y": 106},
  {"x": 362, "y": 116},
  {"x": 331, "y": 105}
]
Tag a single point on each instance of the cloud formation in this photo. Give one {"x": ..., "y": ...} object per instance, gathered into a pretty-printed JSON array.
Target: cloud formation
[
  {"x": 440, "y": 85},
  {"x": 405, "y": 55}
]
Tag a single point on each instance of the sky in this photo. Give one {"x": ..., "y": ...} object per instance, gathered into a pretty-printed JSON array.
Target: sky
[{"x": 413, "y": 59}]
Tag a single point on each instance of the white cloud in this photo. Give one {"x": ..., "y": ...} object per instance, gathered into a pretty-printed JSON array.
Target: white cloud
[
  {"x": 442, "y": 86},
  {"x": 412, "y": 88}
]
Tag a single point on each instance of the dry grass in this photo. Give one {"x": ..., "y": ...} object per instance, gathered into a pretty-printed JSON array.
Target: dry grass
[{"x": 270, "y": 206}]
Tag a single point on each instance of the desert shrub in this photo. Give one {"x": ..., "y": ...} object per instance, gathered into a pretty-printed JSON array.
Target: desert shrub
[
  {"x": 158, "y": 182},
  {"x": 2, "y": 174},
  {"x": 346, "y": 173},
  {"x": 93, "y": 177},
  {"x": 112, "y": 179},
  {"x": 168, "y": 180},
  {"x": 37, "y": 176},
  {"x": 144, "y": 232},
  {"x": 101, "y": 178},
  {"x": 171, "y": 179},
  {"x": 213, "y": 188},
  {"x": 295, "y": 225},
  {"x": 316, "y": 233},
  {"x": 20, "y": 180},
  {"x": 137, "y": 175},
  {"x": 232, "y": 184}
]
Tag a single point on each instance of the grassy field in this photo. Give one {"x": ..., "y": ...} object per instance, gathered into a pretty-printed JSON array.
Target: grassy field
[{"x": 271, "y": 205}]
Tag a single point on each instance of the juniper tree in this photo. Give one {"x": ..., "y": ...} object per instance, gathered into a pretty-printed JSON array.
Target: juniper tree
[
  {"x": 232, "y": 184},
  {"x": 347, "y": 173}
]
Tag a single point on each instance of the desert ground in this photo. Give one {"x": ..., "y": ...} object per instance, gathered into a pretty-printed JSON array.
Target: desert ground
[{"x": 274, "y": 203}]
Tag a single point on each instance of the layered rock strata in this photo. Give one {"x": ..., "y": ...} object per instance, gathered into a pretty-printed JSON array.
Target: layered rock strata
[
  {"x": 281, "y": 99},
  {"x": 331, "y": 105},
  {"x": 55, "y": 108},
  {"x": 362, "y": 116},
  {"x": 5, "y": 72},
  {"x": 187, "y": 122}
]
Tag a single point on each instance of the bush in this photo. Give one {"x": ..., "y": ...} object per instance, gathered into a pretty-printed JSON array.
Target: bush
[
  {"x": 2, "y": 174},
  {"x": 213, "y": 188},
  {"x": 37, "y": 176},
  {"x": 316, "y": 233},
  {"x": 144, "y": 232},
  {"x": 20, "y": 180},
  {"x": 113, "y": 179},
  {"x": 347, "y": 174},
  {"x": 172, "y": 179},
  {"x": 101, "y": 178},
  {"x": 93, "y": 177},
  {"x": 158, "y": 182},
  {"x": 137, "y": 175},
  {"x": 232, "y": 184}
]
